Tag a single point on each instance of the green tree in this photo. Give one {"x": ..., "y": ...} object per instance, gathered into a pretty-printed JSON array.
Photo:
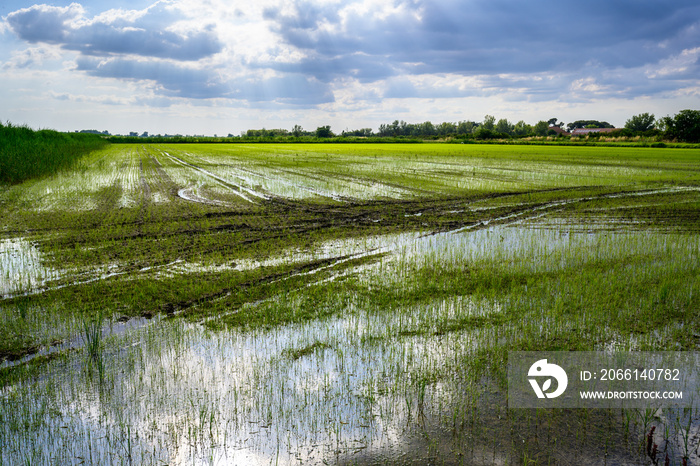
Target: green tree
[
  {"x": 541, "y": 128},
  {"x": 642, "y": 122},
  {"x": 362, "y": 132},
  {"x": 522, "y": 129},
  {"x": 504, "y": 126},
  {"x": 446, "y": 128},
  {"x": 427, "y": 129},
  {"x": 324, "y": 132},
  {"x": 484, "y": 133},
  {"x": 588, "y": 124},
  {"x": 685, "y": 126},
  {"x": 489, "y": 122},
  {"x": 396, "y": 128},
  {"x": 297, "y": 131},
  {"x": 466, "y": 127}
]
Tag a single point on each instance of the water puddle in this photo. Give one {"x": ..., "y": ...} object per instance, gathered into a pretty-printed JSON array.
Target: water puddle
[
  {"x": 279, "y": 183},
  {"x": 527, "y": 234},
  {"x": 258, "y": 396},
  {"x": 238, "y": 190},
  {"x": 192, "y": 194},
  {"x": 111, "y": 329},
  {"x": 175, "y": 393},
  {"x": 21, "y": 268}
]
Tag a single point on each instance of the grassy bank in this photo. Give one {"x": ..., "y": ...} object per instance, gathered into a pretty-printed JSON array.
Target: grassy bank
[{"x": 25, "y": 153}]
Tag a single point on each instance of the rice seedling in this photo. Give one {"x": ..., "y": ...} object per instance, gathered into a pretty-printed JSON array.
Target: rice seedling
[
  {"x": 339, "y": 303},
  {"x": 92, "y": 335}
]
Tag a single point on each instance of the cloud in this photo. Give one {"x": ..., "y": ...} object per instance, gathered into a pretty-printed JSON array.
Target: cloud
[
  {"x": 359, "y": 66},
  {"x": 44, "y": 23},
  {"x": 510, "y": 87},
  {"x": 102, "y": 100},
  {"x": 484, "y": 36},
  {"x": 354, "y": 53},
  {"x": 155, "y": 45},
  {"x": 291, "y": 89},
  {"x": 430, "y": 87},
  {"x": 167, "y": 51},
  {"x": 177, "y": 80},
  {"x": 172, "y": 79},
  {"x": 685, "y": 65},
  {"x": 33, "y": 56},
  {"x": 104, "y": 39},
  {"x": 145, "y": 33}
]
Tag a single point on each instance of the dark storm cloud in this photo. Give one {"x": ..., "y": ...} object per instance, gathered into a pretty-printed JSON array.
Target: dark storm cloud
[{"x": 145, "y": 36}]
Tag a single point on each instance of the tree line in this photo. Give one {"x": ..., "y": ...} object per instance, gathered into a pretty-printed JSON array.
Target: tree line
[{"x": 684, "y": 127}]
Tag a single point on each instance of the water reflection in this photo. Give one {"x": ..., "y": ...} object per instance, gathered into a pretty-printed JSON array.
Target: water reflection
[{"x": 21, "y": 268}]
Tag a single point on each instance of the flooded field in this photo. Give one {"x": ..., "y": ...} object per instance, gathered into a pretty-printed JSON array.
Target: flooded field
[{"x": 339, "y": 304}]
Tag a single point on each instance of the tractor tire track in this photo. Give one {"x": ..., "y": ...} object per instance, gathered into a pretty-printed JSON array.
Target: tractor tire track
[{"x": 240, "y": 191}]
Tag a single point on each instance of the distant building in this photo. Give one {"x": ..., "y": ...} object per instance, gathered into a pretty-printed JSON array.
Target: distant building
[
  {"x": 558, "y": 130},
  {"x": 587, "y": 131}
]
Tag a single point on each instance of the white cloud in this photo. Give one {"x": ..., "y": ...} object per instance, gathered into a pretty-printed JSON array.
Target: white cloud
[
  {"x": 683, "y": 65},
  {"x": 44, "y": 23},
  {"x": 144, "y": 33},
  {"x": 33, "y": 56}
]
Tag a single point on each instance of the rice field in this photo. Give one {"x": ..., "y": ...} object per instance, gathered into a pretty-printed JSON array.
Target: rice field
[{"x": 339, "y": 304}]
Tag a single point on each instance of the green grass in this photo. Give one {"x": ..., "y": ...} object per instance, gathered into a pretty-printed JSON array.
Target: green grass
[{"x": 25, "y": 153}]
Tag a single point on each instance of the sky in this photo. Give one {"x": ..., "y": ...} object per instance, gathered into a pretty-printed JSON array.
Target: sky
[{"x": 221, "y": 66}]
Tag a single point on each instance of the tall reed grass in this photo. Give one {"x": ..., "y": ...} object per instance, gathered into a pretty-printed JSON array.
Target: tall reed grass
[{"x": 26, "y": 153}]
